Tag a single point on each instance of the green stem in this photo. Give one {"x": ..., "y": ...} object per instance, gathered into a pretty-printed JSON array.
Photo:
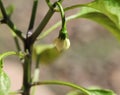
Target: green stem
[
  {"x": 27, "y": 75},
  {"x": 75, "y": 6},
  {"x": 16, "y": 31},
  {"x": 62, "y": 15},
  {"x": 16, "y": 41},
  {"x": 60, "y": 1},
  {"x": 48, "y": 31},
  {"x": 62, "y": 83},
  {"x": 35, "y": 79},
  {"x": 49, "y": 3},
  {"x": 7, "y": 54},
  {"x": 41, "y": 26},
  {"x": 32, "y": 19},
  {"x": 53, "y": 27},
  {"x": 16, "y": 92}
]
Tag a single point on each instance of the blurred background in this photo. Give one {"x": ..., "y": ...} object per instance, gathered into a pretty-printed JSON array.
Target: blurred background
[{"x": 92, "y": 60}]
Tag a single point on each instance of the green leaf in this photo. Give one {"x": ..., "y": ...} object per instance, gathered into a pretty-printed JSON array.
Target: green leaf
[
  {"x": 110, "y": 8},
  {"x": 75, "y": 93},
  {"x": 101, "y": 92},
  {"x": 4, "y": 79},
  {"x": 4, "y": 83},
  {"x": 46, "y": 53},
  {"x": 93, "y": 92},
  {"x": 100, "y": 18}
]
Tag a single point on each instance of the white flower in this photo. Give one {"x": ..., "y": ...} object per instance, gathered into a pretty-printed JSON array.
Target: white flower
[{"x": 62, "y": 44}]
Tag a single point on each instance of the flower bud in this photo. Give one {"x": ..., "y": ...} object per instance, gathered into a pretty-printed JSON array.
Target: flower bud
[{"x": 62, "y": 44}]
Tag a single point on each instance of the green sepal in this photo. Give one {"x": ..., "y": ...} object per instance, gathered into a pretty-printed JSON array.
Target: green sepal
[{"x": 63, "y": 34}]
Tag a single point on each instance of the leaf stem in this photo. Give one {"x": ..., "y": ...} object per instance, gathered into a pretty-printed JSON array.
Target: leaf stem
[
  {"x": 61, "y": 83},
  {"x": 16, "y": 42},
  {"x": 62, "y": 15},
  {"x": 45, "y": 33},
  {"x": 75, "y": 6},
  {"x": 16, "y": 92}
]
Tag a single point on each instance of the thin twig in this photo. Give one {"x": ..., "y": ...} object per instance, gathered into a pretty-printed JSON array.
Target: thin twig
[
  {"x": 32, "y": 19},
  {"x": 56, "y": 25},
  {"x": 41, "y": 26}
]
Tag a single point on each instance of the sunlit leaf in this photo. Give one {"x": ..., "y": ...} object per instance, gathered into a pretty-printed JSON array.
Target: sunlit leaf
[
  {"x": 93, "y": 92},
  {"x": 4, "y": 83},
  {"x": 110, "y": 8},
  {"x": 101, "y": 92},
  {"x": 100, "y": 18}
]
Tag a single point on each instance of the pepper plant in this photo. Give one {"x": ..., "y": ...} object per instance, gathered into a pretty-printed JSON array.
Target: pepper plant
[{"x": 104, "y": 12}]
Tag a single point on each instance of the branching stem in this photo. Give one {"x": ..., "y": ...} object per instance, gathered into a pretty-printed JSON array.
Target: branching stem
[
  {"x": 9, "y": 22},
  {"x": 41, "y": 26}
]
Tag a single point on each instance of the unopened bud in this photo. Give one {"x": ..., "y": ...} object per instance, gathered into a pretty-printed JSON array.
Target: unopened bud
[{"x": 62, "y": 44}]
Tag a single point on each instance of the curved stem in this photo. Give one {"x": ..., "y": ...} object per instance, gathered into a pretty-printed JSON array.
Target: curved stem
[
  {"x": 62, "y": 14},
  {"x": 10, "y": 53},
  {"x": 74, "y": 6},
  {"x": 62, "y": 83},
  {"x": 77, "y": 6},
  {"x": 45, "y": 33}
]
